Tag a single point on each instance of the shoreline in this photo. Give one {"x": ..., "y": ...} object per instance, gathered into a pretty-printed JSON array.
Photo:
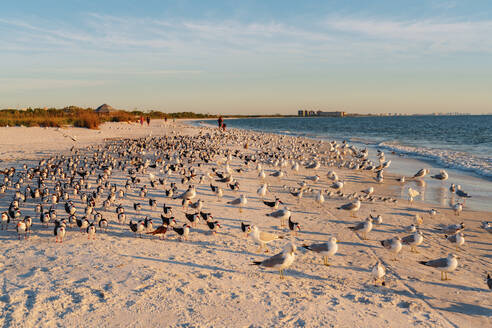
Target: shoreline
[{"x": 478, "y": 186}]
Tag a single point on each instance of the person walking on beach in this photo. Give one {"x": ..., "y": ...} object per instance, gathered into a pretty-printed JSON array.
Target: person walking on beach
[
  {"x": 224, "y": 126},
  {"x": 219, "y": 121},
  {"x": 148, "y": 120},
  {"x": 141, "y": 120}
]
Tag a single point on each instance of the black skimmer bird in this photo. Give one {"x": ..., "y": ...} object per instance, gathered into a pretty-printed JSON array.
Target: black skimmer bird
[
  {"x": 273, "y": 204},
  {"x": 246, "y": 228},
  {"x": 59, "y": 232},
  {"x": 91, "y": 231},
  {"x": 183, "y": 231},
  {"x": 294, "y": 226}
]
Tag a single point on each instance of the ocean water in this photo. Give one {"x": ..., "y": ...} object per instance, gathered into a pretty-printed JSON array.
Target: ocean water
[{"x": 460, "y": 144}]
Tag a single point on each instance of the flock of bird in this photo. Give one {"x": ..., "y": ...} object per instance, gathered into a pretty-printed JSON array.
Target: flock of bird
[{"x": 84, "y": 182}]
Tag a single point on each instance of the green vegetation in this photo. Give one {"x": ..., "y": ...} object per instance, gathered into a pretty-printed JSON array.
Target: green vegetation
[{"x": 80, "y": 117}]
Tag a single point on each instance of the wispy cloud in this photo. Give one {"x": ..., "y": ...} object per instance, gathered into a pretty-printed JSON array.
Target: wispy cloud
[{"x": 431, "y": 34}]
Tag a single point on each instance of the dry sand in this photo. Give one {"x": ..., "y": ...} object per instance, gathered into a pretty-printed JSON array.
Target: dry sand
[{"x": 118, "y": 280}]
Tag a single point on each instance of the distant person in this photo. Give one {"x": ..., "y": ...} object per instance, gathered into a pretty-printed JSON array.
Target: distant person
[
  {"x": 224, "y": 126},
  {"x": 148, "y": 120},
  {"x": 165, "y": 119},
  {"x": 220, "y": 121},
  {"x": 141, "y": 120}
]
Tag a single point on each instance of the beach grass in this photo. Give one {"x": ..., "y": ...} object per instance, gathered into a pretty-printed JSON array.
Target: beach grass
[{"x": 80, "y": 117}]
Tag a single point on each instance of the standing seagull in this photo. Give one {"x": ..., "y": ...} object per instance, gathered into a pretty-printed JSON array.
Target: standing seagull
[
  {"x": 351, "y": 207},
  {"x": 458, "y": 239},
  {"x": 413, "y": 240},
  {"x": 263, "y": 238},
  {"x": 421, "y": 173},
  {"x": 393, "y": 245},
  {"x": 378, "y": 272},
  {"x": 240, "y": 202},
  {"x": 262, "y": 191},
  {"x": 281, "y": 261},
  {"x": 443, "y": 175},
  {"x": 412, "y": 193},
  {"x": 364, "y": 227},
  {"x": 327, "y": 249},
  {"x": 445, "y": 265},
  {"x": 281, "y": 214}
]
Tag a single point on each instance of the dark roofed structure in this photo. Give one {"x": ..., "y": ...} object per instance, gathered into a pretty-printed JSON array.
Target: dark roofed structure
[{"x": 104, "y": 109}]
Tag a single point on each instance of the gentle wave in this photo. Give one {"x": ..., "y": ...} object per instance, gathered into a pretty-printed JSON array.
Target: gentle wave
[
  {"x": 448, "y": 158},
  {"x": 470, "y": 160}
]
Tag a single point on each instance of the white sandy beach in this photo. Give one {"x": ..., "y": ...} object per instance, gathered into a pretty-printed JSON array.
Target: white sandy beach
[{"x": 119, "y": 280}]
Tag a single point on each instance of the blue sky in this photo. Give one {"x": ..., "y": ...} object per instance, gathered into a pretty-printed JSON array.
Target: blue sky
[{"x": 248, "y": 57}]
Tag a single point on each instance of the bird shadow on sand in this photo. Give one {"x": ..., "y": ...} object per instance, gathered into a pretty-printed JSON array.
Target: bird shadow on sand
[
  {"x": 468, "y": 309},
  {"x": 356, "y": 244},
  {"x": 402, "y": 214},
  {"x": 188, "y": 264},
  {"x": 353, "y": 268},
  {"x": 290, "y": 273},
  {"x": 450, "y": 285},
  {"x": 414, "y": 209}
]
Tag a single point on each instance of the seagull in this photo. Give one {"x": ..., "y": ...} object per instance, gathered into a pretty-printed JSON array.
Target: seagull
[
  {"x": 327, "y": 249},
  {"x": 262, "y": 191},
  {"x": 351, "y": 207},
  {"x": 489, "y": 281},
  {"x": 443, "y": 175},
  {"x": 453, "y": 228},
  {"x": 369, "y": 191},
  {"x": 198, "y": 205},
  {"x": 421, "y": 173},
  {"x": 432, "y": 212},
  {"x": 281, "y": 214},
  {"x": 487, "y": 226},
  {"x": 314, "y": 178},
  {"x": 413, "y": 240},
  {"x": 297, "y": 194},
  {"x": 281, "y": 261},
  {"x": 376, "y": 219},
  {"x": 412, "y": 193},
  {"x": 263, "y": 238},
  {"x": 320, "y": 199},
  {"x": 461, "y": 193},
  {"x": 418, "y": 220},
  {"x": 445, "y": 265},
  {"x": 337, "y": 185},
  {"x": 393, "y": 245},
  {"x": 363, "y": 227},
  {"x": 240, "y": 202},
  {"x": 457, "y": 208},
  {"x": 378, "y": 272},
  {"x": 277, "y": 174},
  {"x": 458, "y": 239},
  {"x": 411, "y": 228}
]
